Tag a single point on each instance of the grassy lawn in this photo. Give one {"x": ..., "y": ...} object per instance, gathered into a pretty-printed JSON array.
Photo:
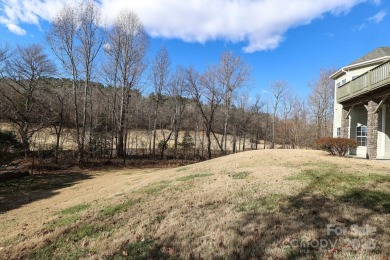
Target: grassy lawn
[{"x": 255, "y": 205}]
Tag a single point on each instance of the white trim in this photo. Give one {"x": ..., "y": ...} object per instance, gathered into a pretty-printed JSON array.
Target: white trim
[
  {"x": 343, "y": 69},
  {"x": 383, "y": 130}
]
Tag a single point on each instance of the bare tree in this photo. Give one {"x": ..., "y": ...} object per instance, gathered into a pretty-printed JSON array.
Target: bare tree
[
  {"x": 4, "y": 54},
  {"x": 233, "y": 73},
  {"x": 287, "y": 101},
  {"x": 61, "y": 38},
  {"x": 90, "y": 36},
  {"x": 57, "y": 104},
  {"x": 126, "y": 48},
  {"x": 178, "y": 90},
  {"x": 208, "y": 96},
  {"x": 160, "y": 80},
  {"x": 278, "y": 90},
  {"x": 24, "y": 75},
  {"x": 321, "y": 101}
]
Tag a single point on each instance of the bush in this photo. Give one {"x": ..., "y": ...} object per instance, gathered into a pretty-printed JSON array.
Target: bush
[
  {"x": 336, "y": 146},
  {"x": 8, "y": 141}
]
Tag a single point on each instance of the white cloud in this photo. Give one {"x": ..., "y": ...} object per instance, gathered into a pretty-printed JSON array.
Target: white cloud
[
  {"x": 377, "y": 2},
  {"x": 15, "y": 29},
  {"x": 261, "y": 24},
  {"x": 375, "y": 19},
  {"x": 378, "y": 17}
]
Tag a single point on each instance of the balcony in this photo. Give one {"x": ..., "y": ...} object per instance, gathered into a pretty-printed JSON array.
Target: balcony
[{"x": 369, "y": 82}]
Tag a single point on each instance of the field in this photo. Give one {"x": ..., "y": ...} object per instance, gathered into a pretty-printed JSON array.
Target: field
[
  {"x": 268, "y": 204},
  {"x": 137, "y": 139}
]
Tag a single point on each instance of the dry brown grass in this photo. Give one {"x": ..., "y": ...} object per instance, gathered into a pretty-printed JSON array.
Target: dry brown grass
[
  {"x": 137, "y": 139},
  {"x": 248, "y": 205}
]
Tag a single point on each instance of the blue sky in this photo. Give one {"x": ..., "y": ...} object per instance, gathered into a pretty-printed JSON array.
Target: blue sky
[{"x": 287, "y": 40}]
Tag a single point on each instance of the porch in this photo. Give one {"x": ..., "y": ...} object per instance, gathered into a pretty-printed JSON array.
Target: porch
[{"x": 369, "y": 125}]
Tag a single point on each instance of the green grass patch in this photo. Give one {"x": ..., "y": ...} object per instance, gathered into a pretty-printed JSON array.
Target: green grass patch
[
  {"x": 266, "y": 203},
  {"x": 240, "y": 175},
  {"x": 156, "y": 188},
  {"x": 115, "y": 209},
  {"x": 74, "y": 209},
  {"x": 193, "y": 176},
  {"x": 331, "y": 180},
  {"x": 140, "y": 250},
  {"x": 69, "y": 242},
  {"x": 374, "y": 200},
  {"x": 181, "y": 169},
  {"x": 63, "y": 222}
]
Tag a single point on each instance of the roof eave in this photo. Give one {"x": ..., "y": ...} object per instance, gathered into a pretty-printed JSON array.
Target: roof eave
[{"x": 373, "y": 61}]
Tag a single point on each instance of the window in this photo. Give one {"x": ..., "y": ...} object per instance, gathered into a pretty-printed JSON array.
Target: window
[
  {"x": 338, "y": 131},
  {"x": 354, "y": 77},
  {"x": 343, "y": 82},
  {"x": 361, "y": 135},
  {"x": 338, "y": 85}
]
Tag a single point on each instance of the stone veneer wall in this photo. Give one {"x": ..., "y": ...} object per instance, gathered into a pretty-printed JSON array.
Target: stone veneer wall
[
  {"x": 344, "y": 123},
  {"x": 372, "y": 130}
]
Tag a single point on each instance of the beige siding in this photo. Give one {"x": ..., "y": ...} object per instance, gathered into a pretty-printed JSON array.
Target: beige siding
[
  {"x": 358, "y": 117},
  {"x": 387, "y": 132},
  {"x": 358, "y": 72},
  {"x": 337, "y": 110},
  {"x": 381, "y": 136}
]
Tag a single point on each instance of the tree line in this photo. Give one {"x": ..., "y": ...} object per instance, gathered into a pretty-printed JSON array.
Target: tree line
[{"x": 94, "y": 85}]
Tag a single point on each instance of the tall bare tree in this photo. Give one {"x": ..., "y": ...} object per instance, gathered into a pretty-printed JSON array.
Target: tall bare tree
[
  {"x": 62, "y": 39},
  {"x": 178, "y": 90},
  {"x": 24, "y": 76},
  {"x": 57, "y": 104},
  {"x": 208, "y": 96},
  {"x": 321, "y": 101},
  {"x": 278, "y": 90},
  {"x": 126, "y": 48},
  {"x": 90, "y": 36},
  {"x": 233, "y": 73},
  {"x": 160, "y": 79}
]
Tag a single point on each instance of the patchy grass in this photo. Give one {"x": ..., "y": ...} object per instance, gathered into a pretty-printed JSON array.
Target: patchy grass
[
  {"x": 373, "y": 200},
  {"x": 240, "y": 175},
  {"x": 156, "y": 188},
  {"x": 266, "y": 203},
  {"x": 62, "y": 222},
  {"x": 143, "y": 249},
  {"x": 74, "y": 209},
  {"x": 285, "y": 196},
  {"x": 115, "y": 209},
  {"x": 193, "y": 176},
  {"x": 69, "y": 243},
  {"x": 181, "y": 169},
  {"x": 332, "y": 180}
]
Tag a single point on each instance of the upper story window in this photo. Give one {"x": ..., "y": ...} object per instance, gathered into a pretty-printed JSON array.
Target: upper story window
[
  {"x": 338, "y": 85},
  {"x": 338, "y": 132},
  {"x": 343, "y": 81},
  {"x": 354, "y": 77}
]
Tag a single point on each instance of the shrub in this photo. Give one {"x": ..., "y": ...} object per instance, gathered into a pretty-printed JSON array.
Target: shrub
[
  {"x": 336, "y": 146},
  {"x": 8, "y": 141}
]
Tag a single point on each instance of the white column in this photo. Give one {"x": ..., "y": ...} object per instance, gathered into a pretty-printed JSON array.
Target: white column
[{"x": 383, "y": 130}]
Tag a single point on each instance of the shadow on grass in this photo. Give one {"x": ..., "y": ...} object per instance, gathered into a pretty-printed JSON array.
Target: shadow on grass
[
  {"x": 372, "y": 200},
  {"x": 330, "y": 197},
  {"x": 18, "y": 192}
]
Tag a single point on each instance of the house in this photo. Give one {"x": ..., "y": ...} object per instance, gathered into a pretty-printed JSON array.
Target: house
[{"x": 362, "y": 104}]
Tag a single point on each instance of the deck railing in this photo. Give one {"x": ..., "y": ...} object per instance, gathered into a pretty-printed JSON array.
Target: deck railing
[{"x": 371, "y": 80}]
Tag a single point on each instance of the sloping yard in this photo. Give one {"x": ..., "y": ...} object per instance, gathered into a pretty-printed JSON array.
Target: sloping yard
[{"x": 284, "y": 204}]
